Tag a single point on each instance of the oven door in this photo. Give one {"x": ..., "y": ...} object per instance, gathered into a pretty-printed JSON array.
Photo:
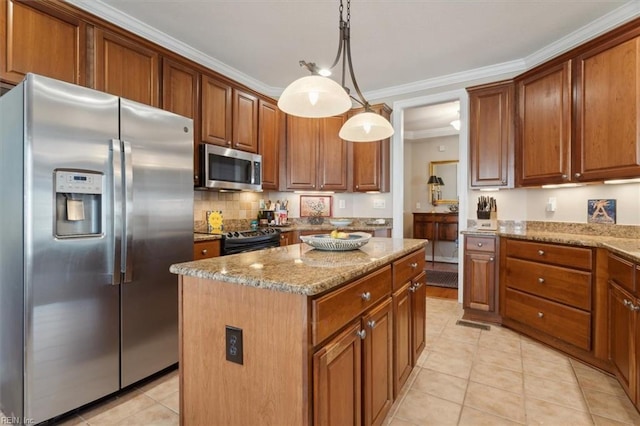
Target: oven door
[
  {"x": 242, "y": 245},
  {"x": 230, "y": 169}
]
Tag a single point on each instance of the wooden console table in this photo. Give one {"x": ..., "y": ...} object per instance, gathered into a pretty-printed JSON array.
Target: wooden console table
[{"x": 435, "y": 226}]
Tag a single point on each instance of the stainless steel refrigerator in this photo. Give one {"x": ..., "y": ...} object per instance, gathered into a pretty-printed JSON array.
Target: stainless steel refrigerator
[{"x": 96, "y": 201}]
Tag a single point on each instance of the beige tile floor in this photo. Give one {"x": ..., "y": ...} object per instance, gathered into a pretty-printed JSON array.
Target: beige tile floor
[{"x": 465, "y": 376}]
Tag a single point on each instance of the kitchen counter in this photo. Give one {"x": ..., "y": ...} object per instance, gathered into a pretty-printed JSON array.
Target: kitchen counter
[{"x": 298, "y": 268}]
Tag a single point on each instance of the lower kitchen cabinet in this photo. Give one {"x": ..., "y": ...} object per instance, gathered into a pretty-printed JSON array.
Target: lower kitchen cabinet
[
  {"x": 480, "y": 297},
  {"x": 206, "y": 249}
]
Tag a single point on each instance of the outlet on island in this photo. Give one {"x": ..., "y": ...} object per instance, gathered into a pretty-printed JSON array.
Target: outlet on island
[{"x": 234, "y": 344}]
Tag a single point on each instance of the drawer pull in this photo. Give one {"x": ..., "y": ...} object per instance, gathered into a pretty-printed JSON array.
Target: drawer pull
[
  {"x": 414, "y": 265},
  {"x": 362, "y": 334},
  {"x": 371, "y": 323},
  {"x": 366, "y": 296},
  {"x": 540, "y": 315},
  {"x": 491, "y": 259},
  {"x": 541, "y": 252},
  {"x": 204, "y": 251},
  {"x": 413, "y": 288},
  {"x": 541, "y": 280},
  {"x": 479, "y": 244},
  {"x": 626, "y": 302}
]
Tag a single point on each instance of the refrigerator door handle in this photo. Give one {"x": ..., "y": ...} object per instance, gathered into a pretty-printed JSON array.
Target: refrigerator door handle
[
  {"x": 127, "y": 252},
  {"x": 116, "y": 231}
]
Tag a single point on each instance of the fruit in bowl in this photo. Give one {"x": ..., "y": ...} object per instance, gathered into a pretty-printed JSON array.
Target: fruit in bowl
[{"x": 339, "y": 235}]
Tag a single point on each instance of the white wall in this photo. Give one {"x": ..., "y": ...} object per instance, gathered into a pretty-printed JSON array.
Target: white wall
[{"x": 355, "y": 205}]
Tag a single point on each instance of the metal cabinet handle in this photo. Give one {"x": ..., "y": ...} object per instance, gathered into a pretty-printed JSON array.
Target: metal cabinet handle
[
  {"x": 628, "y": 303},
  {"x": 541, "y": 280},
  {"x": 479, "y": 244},
  {"x": 362, "y": 334},
  {"x": 371, "y": 323},
  {"x": 204, "y": 251},
  {"x": 541, "y": 252},
  {"x": 540, "y": 315},
  {"x": 228, "y": 142},
  {"x": 577, "y": 175},
  {"x": 413, "y": 288},
  {"x": 366, "y": 296},
  {"x": 414, "y": 265},
  {"x": 565, "y": 177},
  {"x": 491, "y": 259}
]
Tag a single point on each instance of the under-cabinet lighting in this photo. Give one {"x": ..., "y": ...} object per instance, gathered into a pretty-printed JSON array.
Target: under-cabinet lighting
[
  {"x": 621, "y": 181},
  {"x": 372, "y": 192},
  {"x": 314, "y": 192},
  {"x": 489, "y": 189},
  {"x": 563, "y": 185}
]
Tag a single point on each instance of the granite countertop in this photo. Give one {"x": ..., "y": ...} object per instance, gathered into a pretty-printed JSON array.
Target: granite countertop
[
  {"x": 299, "y": 268},
  {"x": 628, "y": 247}
]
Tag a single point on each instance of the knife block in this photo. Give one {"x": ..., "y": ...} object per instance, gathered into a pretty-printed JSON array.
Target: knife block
[{"x": 487, "y": 221}]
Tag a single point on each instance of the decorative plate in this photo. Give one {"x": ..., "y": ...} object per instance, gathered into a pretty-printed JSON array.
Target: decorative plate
[
  {"x": 340, "y": 222},
  {"x": 325, "y": 242}
]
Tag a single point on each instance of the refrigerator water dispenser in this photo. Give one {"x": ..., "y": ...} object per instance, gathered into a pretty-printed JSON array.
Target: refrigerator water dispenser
[{"x": 78, "y": 203}]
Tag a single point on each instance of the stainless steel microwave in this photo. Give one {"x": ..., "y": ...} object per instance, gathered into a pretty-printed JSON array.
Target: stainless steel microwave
[{"x": 230, "y": 169}]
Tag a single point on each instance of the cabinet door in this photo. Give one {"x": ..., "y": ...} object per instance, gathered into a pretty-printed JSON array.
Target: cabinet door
[
  {"x": 269, "y": 143},
  {"x": 479, "y": 281},
  {"x": 332, "y": 156},
  {"x": 378, "y": 363},
  {"x": 608, "y": 111},
  {"x": 370, "y": 161},
  {"x": 40, "y": 39},
  {"x": 285, "y": 239},
  {"x": 245, "y": 121},
  {"x": 418, "y": 316},
  {"x": 302, "y": 152},
  {"x": 448, "y": 227},
  {"x": 491, "y": 135},
  {"x": 543, "y": 137},
  {"x": 402, "y": 362},
  {"x": 216, "y": 111},
  {"x": 126, "y": 68},
  {"x": 622, "y": 350},
  {"x": 180, "y": 95},
  {"x": 337, "y": 372}
]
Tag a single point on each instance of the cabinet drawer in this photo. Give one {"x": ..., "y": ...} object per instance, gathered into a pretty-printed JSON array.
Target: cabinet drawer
[
  {"x": 563, "y": 322},
  {"x": 333, "y": 311},
  {"x": 621, "y": 272},
  {"x": 407, "y": 268},
  {"x": 206, "y": 249},
  {"x": 568, "y": 286},
  {"x": 571, "y": 257},
  {"x": 485, "y": 244}
]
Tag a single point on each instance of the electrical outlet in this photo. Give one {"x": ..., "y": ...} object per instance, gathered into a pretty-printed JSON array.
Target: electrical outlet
[
  {"x": 341, "y": 204},
  {"x": 551, "y": 204},
  {"x": 234, "y": 344},
  {"x": 417, "y": 206},
  {"x": 378, "y": 204}
]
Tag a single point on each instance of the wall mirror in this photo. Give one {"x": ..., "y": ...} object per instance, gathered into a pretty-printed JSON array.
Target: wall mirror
[{"x": 447, "y": 171}]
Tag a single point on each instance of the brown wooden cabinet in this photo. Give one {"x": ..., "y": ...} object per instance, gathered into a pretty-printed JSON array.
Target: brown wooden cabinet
[
  {"x": 180, "y": 85},
  {"x": 316, "y": 157},
  {"x": 491, "y": 134},
  {"x": 39, "y": 38},
  {"x": 126, "y": 68},
  {"x": 543, "y": 137},
  {"x": 480, "y": 298},
  {"x": 435, "y": 226},
  {"x": 607, "y": 120},
  {"x": 206, "y": 249},
  {"x": 286, "y": 238},
  {"x": 229, "y": 115},
  {"x": 370, "y": 161},
  {"x": 270, "y": 131}
]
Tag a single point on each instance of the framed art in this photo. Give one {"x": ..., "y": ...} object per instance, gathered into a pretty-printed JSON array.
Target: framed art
[
  {"x": 315, "y": 206},
  {"x": 601, "y": 211}
]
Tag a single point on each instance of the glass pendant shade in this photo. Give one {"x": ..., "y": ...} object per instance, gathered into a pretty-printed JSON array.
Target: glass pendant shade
[
  {"x": 366, "y": 127},
  {"x": 314, "y": 97}
]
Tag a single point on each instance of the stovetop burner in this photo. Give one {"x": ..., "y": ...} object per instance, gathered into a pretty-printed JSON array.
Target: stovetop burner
[
  {"x": 250, "y": 240},
  {"x": 251, "y": 233}
]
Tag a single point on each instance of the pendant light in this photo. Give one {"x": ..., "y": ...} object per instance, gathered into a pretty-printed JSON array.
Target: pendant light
[{"x": 318, "y": 96}]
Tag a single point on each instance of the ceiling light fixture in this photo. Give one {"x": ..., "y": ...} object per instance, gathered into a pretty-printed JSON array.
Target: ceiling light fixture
[{"x": 316, "y": 96}]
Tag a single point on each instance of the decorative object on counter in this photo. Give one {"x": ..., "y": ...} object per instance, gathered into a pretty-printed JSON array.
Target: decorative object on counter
[
  {"x": 215, "y": 223},
  {"x": 453, "y": 207},
  {"x": 601, "y": 211},
  {"x": 340, "y": 222},
  {"x": 375, "y": 222},
  {"x": 317, "y": 96},
  {"x": 353, "y": 241},
  {"x": 316, "y": 208},
  {"x": 487, "y": 213}
]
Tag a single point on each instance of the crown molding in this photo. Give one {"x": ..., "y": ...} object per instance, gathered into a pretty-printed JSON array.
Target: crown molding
[{"x": 430, "y": 133}]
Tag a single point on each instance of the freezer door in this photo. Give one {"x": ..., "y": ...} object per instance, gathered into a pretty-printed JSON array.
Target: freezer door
[
  {"x": 71, "y": 352},
  {"x": 158, "y": 218}
]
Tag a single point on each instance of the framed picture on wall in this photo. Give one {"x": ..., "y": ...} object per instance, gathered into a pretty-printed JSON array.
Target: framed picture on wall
[
  {"x": 315, "y": 206},
  {"x": 601, "y": 211}
]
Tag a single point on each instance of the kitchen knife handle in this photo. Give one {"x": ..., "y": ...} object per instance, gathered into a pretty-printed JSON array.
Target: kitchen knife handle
[{"x": 127, "y": 247}]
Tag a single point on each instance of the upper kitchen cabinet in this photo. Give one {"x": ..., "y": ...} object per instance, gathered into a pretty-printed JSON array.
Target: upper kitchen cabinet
[
  {"x": 180, "y": 95},
  {"x": 229, "y": 115},
  {"x": 607, "y": 83},
  {"x": 370, "y": 161},
  {"x": 543, "y": 134},
  {"x": 491, "y": 134},
  {"x": 316, "y": 157},
  {"x": 270, "y": 132},
  {"x": 39, "y": 38},
  {"x": 126, "y": 67}
]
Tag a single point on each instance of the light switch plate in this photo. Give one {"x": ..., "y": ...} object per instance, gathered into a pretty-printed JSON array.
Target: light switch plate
[{"x": 378, "y": 204}]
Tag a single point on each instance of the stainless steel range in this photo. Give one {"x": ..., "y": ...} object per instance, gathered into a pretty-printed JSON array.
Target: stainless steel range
[{"x": 243, "y": 241}]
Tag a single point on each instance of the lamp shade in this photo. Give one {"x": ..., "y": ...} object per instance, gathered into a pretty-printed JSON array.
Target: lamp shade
[
  {"x": 433, "y": 180},
  {"x": 314, "y": 96},
  {"x": 366, "y": 127},
  {"x": 440, "y": 181}
]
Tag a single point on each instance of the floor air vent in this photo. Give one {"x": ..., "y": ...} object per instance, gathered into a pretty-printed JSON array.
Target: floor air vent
[{"x": 473, "y": 325}]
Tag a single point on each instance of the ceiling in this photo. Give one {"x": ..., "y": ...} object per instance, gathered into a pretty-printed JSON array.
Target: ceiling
[{"x": 398, "y": 46}]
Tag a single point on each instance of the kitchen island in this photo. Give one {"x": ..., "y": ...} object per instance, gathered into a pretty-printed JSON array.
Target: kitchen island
[{"x": 297, "y": 336}]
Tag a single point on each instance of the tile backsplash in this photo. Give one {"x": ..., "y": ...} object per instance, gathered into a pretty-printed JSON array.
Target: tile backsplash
[{"x": 234, "y": 205}]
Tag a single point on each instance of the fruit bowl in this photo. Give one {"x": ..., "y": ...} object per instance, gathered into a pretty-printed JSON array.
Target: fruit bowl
[
  {"x": 353, "y": 241},
  {"x": 340, "y": 222}
]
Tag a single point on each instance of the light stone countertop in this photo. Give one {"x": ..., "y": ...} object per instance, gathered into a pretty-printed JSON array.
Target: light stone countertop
[{"x": 299, "y": 268}]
